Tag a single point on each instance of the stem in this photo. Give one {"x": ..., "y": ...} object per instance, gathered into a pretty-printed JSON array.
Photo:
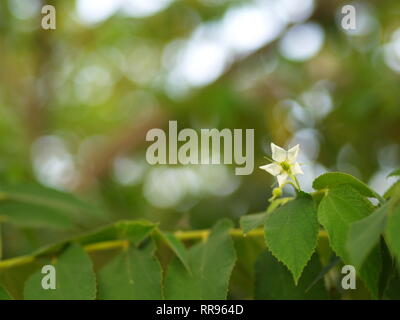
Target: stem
[
  {"x": 18, "y": 261},
  {"x": 201, "y": 234},
  {"x": 321, "y": 191},
  {"x": 297, "y": 182},
  {"x": 115, "y": 244},
  {"x": 292, "y": 183}
]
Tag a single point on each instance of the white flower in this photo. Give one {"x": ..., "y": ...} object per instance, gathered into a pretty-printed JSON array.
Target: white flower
[{"x": 284, "y": 165}]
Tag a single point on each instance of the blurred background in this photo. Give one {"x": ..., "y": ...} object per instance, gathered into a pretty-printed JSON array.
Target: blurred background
[{"x": 77, "y": 102}]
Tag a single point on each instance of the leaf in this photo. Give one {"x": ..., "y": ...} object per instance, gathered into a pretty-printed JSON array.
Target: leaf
[
  {"x": 75, "y": 279},
  {"x": 274, "y": 281},
  {"x": 133, "y": 231},
  {"x": 242, "y": 280},
  {"x": 394, "y": 190},
  {"x": 395, "y": 173},
  {"x": 392, "y": 291},
  {"x": 38, "y": 206},
  {"x": 333, "y": 179},
  {"x": 252, "y": 221},
  {"x": 34, "y": 216},
  {"x": 325, "y": 270},
  {"x": 4, "y": 295},
  {"x": 291, "y": 233},
  {"x": 14, "y": 279},
  {"x": 132, "y": 275},
  {"x": 364, "y": 235},
  {"x": 211, "y": 264},
  {"x": 387, "y": 271},
  {"x": 342, "y": 206},
  {"x": 393, "y": 232},
  {"x": 278, "y": 202},
  {"x": 177, "y": 247}
]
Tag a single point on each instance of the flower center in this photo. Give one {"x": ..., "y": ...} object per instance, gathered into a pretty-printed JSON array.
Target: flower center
[{"x": 285, "y": 166}]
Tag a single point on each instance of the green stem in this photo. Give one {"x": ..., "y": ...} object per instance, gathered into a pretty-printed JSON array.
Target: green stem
[
  {"x": 120, "y": 243},
  {"x": 292, "y": 184},
  {"x": 318, "y": 192},
  {"x": 297, "y": 182}
]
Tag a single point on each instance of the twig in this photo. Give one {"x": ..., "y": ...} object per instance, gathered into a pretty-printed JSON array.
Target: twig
[{"x": 115, "y": 244}]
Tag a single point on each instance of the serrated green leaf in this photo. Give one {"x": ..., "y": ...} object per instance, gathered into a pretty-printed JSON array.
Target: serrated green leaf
[
  {"x": 333, "y": 179},
  {"x": 291, "y": 233},
  {"x": 177, "y": 247},
  {"x": 364, "y": 235},
  {"x": 340, "y": 207},
  {"x": 38, "y": 206},
  {"x": 393, "y": 232},
  {"x": 274, "y": 281},
  {"x": 75, "y": 279},
  {"x": 4, "y": 295},
  {"x": 211, "y": 264},
  {"x": 132, "y": 275},
  {"x": 252, "y": 221}
]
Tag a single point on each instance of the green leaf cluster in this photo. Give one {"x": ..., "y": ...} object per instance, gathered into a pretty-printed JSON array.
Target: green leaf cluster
[{"x": 308, "y": 238}]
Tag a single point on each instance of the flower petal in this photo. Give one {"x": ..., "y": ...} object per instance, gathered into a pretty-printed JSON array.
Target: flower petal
[
  {"x": 272, "y": 168},
  {"x": 292, "y": 153},
  {"x": 296, "y": 169},
  {"x": 282, "y": 178},
  {"x": 278, "y": 154}
]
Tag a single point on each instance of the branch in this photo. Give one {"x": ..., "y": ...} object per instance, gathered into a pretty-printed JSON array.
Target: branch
[{"x": 115, "y": 244}]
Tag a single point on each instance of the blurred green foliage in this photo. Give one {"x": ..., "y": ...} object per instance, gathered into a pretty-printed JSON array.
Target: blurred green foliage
[{"x": 76, "y": 102}]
